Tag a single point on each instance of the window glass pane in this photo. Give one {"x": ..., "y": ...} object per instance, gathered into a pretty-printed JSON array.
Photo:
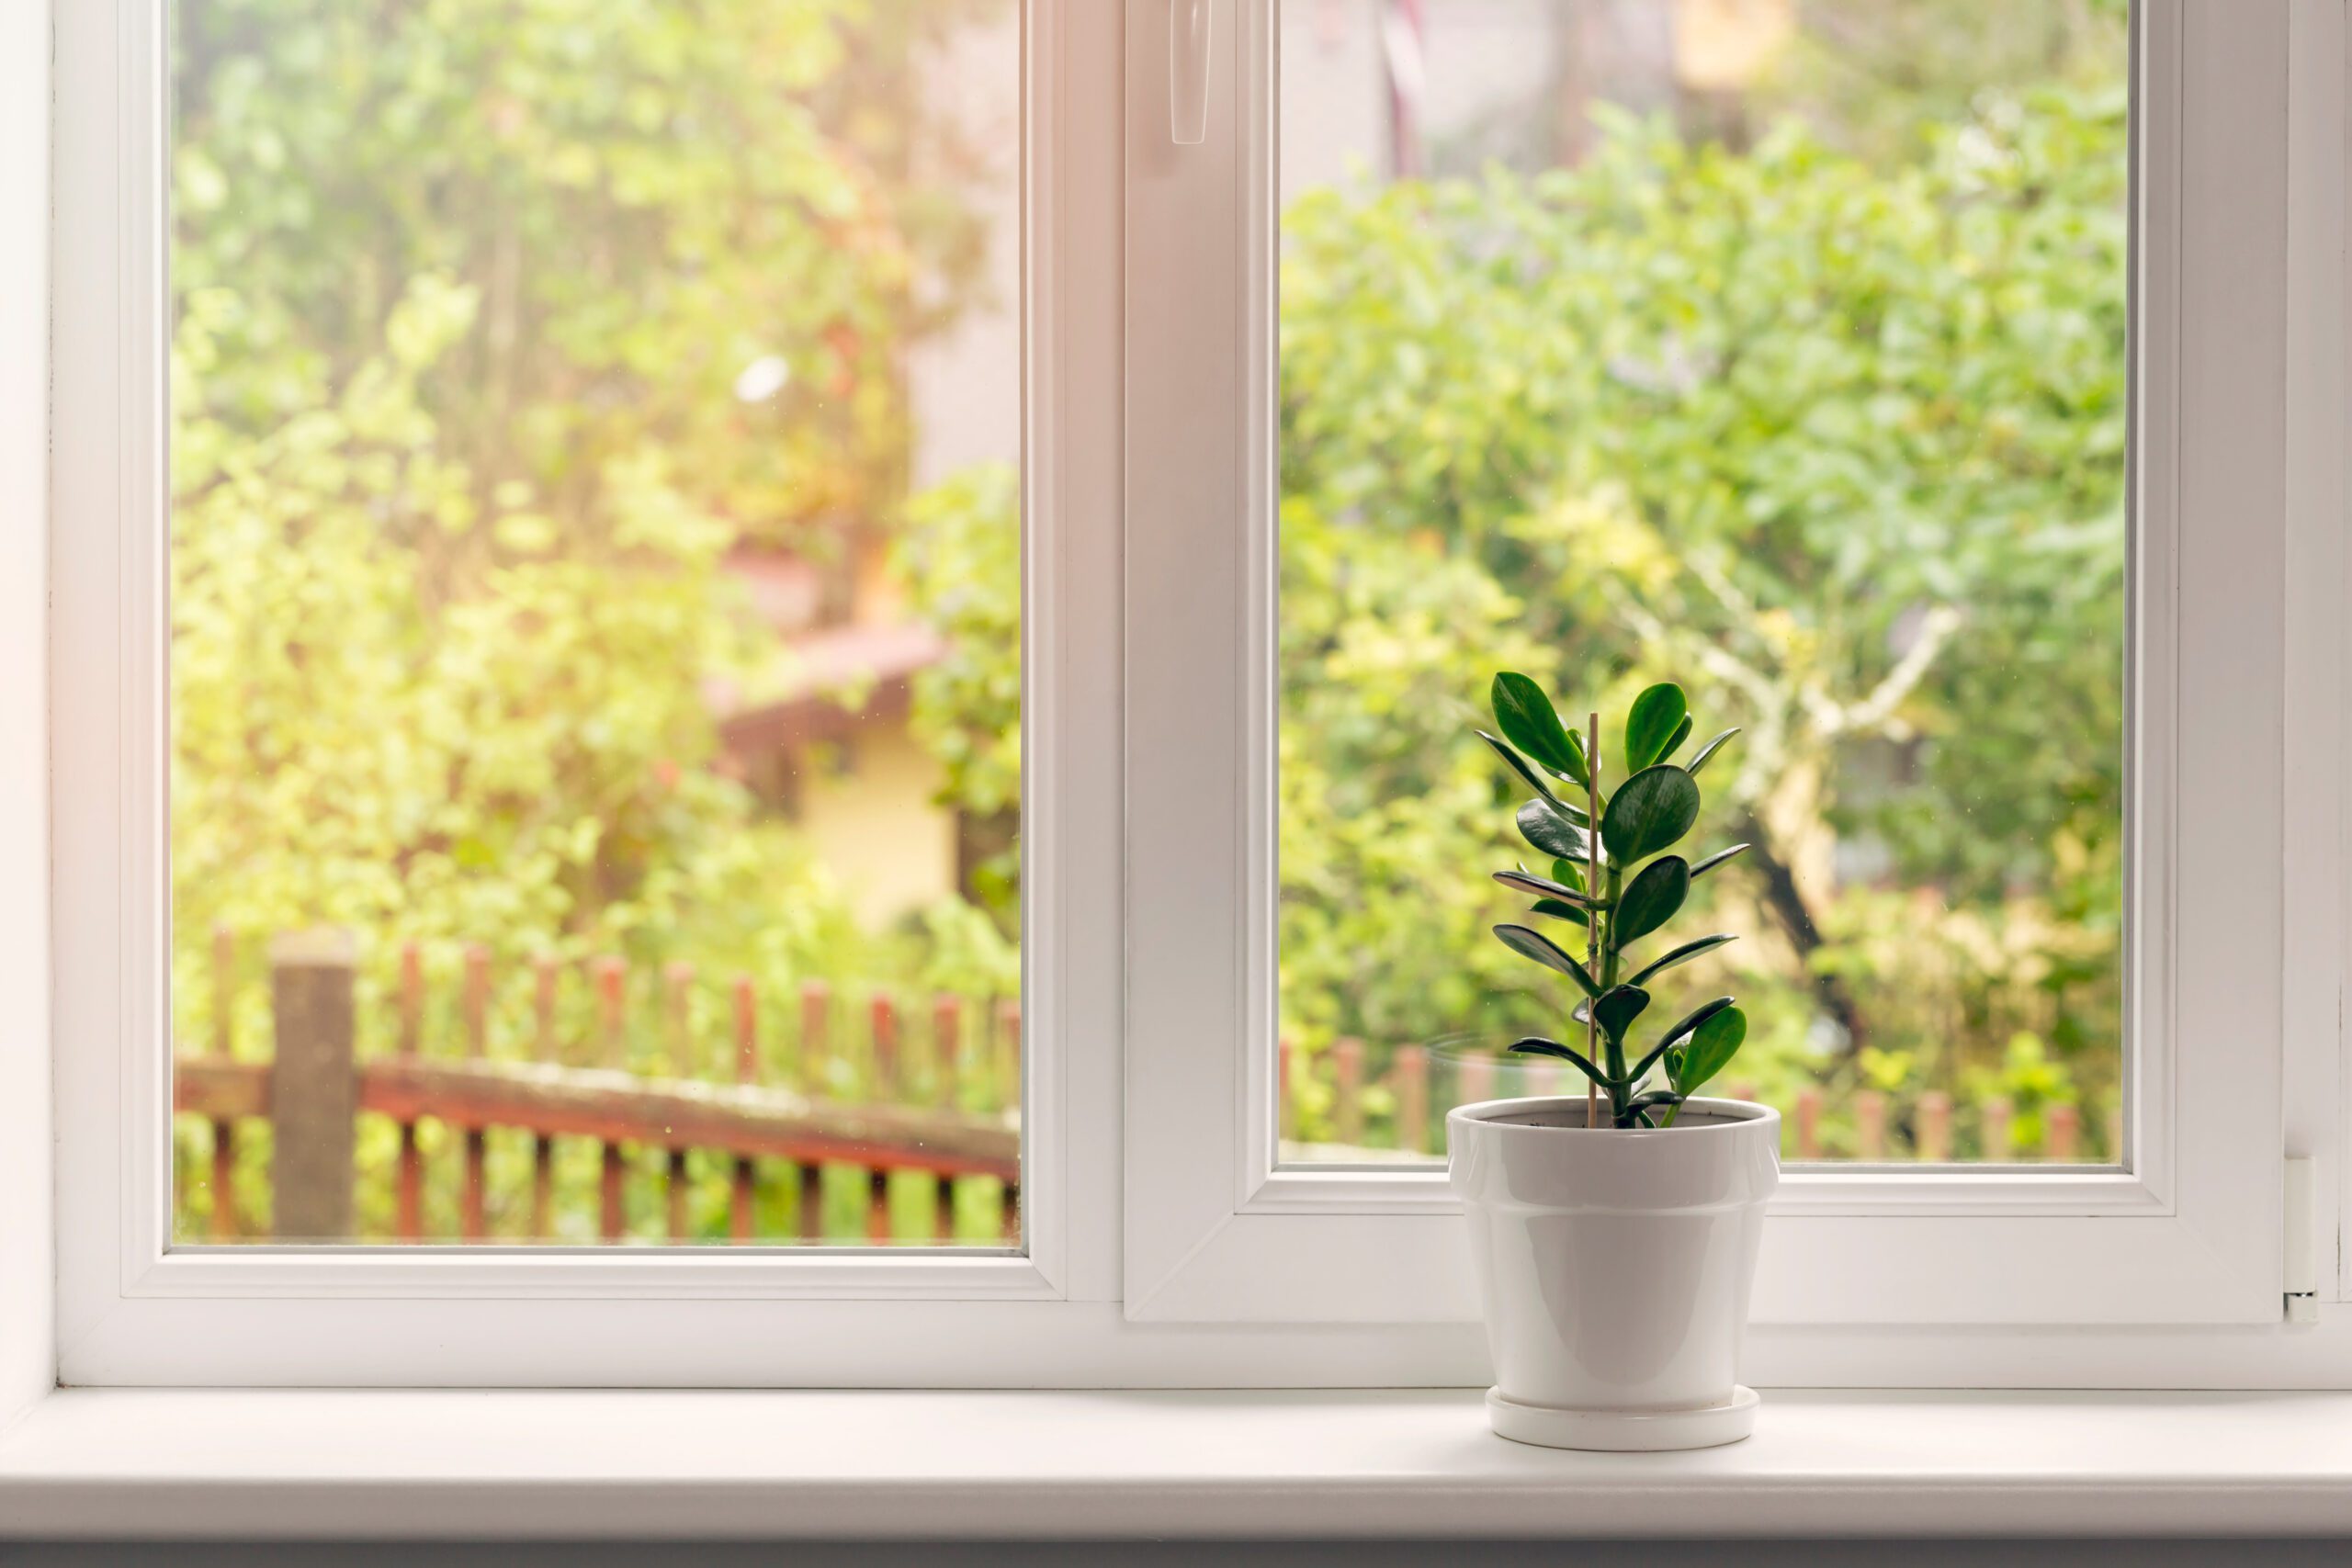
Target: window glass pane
[
  {"x": 595, "y": 672},
  {"x": 1776, "y": 347}
]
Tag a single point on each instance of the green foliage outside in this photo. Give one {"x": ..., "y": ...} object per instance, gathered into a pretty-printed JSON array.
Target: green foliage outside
[
  {"x": 1839, "y": 445},
  {"x": 961, "y": 558},
  {"x": 1830, "y": 427},
  {"x": 463, "y": 292}
]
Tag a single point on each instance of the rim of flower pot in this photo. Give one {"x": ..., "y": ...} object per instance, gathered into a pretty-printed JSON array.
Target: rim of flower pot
[{"x": 1721, "y": 1117}]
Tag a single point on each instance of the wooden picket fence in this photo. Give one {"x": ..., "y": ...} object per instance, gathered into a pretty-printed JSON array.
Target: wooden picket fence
[
  {"x": 849, "y": 1101},
  {"x": 1818, "y": 1124},
  {"x": 953, "y": 1122}
]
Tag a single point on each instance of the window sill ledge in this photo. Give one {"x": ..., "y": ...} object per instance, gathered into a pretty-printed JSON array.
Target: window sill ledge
[{"x": 123, "y": 1464}]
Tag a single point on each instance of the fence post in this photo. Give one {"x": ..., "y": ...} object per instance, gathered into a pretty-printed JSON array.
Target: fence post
[
  {"x": 544, "y": 977},
  {"x": 1935, "y": 1127},
  {"x": 1475, "y": 1081},
  {"x": 677, "y": 1020},
  {"x": 1347, "y": 1083},
  {"x": 612, "y": 982},
  {"x": 612, "y": 1206},
  {"x": 1996, "y": 1131},
  {"x": 1008, "y": 1047},
  {"x": 816, "y": 1008},
  {"x": 948, "y": 1065},
  {"x": 225, "y": 1223},
  {"x": 314, "y": 1085},
  {"x": 677, "y": 1189},
  {"x": 942, "y": 1210},
  {"x": 882, "y": 1060},
  {"x": 1808, "y": 1123},
  {"x": 811, "y": 1200},
  {"x": 543, "y": 1147},
  {"x": 741, "y": 1191},
  {"x": 224, "y": 991},
  {"x": 2061, "y": 1124},
  {"x": 472, "y": 1196},
  {"x": 1413, "y": 1097},
  {"x": 407, "y": 1180},
  {"x": 610, "y": 973},
  {"x": 1869, "y": 1124},
  {"x": 746, "y": 1030},
  {"x": 952, "y": 1084},
  {"x": 1282, "y": 1054},
  {"x": 477, "y": 1001}
]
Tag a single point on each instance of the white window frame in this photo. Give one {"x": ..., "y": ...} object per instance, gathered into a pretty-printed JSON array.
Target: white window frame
[
  {"x": 131, "y": 1306},
  {"x": 2190, "y": 1233},
  {"x": 1162, "y": 1253}
]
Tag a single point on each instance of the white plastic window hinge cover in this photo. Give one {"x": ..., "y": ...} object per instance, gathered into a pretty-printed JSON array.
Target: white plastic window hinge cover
[
  {"x": 2299, "y": 1258},
  {"x": 1188, "y": 72}
]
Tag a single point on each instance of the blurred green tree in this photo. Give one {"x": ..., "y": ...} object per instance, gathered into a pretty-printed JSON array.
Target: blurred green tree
[
  {"x": 492, "y": 340},
  {"x": 1849, "y": 443},
  {"x": 1849, "y": 440},
  {"x": 470, "y": 300}
]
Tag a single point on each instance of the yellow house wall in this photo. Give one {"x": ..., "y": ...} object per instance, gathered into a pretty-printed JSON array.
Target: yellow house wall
[{"x": 876, "y": 825}]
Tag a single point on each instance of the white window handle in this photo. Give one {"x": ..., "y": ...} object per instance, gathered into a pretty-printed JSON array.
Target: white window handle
[{"x": 1188, "y": 71}]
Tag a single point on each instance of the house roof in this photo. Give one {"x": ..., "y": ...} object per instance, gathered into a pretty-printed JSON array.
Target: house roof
[{"x": 824, "y": 682}]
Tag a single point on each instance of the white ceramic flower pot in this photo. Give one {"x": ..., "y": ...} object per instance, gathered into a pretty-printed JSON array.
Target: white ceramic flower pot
[{"x": 1615, "y": 1266}]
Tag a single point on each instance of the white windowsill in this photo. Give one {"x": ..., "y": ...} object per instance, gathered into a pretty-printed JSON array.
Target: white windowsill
[{"x": 440, "y": 1464}]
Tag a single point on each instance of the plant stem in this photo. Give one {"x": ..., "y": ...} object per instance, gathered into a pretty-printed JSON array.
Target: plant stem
[
  {"x": 1601, "y": 950},
  {"x": 1621, "y": 1093},
  {"x": 1592, "y": 921}
]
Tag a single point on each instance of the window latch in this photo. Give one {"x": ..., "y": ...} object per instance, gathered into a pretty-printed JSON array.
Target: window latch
[{"x": 1188, "y": 72}]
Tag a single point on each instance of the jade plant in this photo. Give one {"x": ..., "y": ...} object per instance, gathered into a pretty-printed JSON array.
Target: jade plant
[{"x": 1615, "y": 890}]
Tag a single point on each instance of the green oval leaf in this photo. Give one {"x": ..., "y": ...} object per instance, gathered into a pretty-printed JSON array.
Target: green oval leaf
[
  {"x": 1652, "y": 899},
  {"x": 1674, "y": 743},
  {"x": 1542, "y": 886},
  {"x": 1549, "y": 832},
  {"x": 1541, "y": 948},
  {"x": 1690, "y": 1021},
  {"x": 1713, "y": 1045},
  {"x": 1649, "y": 812},
  {"x": 1657, "y": 714},
  {"x": 1568, "y": 873},
  {"x": 1558, "y": 910},
  {"x": 1618, "y": 1010},
  {"x": 1529, "y": 721},
  {"x": 1715, "y": 860},
  {"x": 1683, "y": 954},
  {"x": 1709, "y": 750},
  {"x": 1535, "y": 1045},
  {"x": 1528, "y": 775}
]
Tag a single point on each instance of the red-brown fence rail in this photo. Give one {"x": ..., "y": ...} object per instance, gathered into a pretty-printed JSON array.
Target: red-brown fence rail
[
  {"x": 1331, "y": 1102},
  {"x": 879, "y": 1126},
  {"x": 759, "y": 1113}
]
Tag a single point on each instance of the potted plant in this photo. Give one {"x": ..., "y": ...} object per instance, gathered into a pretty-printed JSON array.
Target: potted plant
[{"x": 1615, "y": 1234}]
